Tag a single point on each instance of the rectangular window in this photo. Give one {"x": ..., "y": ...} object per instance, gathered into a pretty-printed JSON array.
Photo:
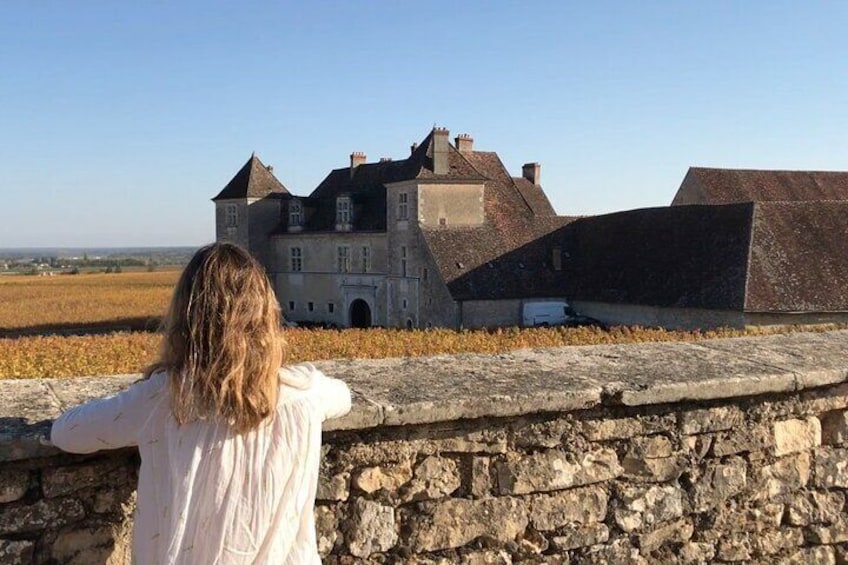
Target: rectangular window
[
  {"x": 343, "y": 210},
  {"x": 291, "y": 305},
  {"x": 331, "y": 307},
  {"x": 425, "y": 273},
  {"x": 403, "y": 261},
  {"x": 310, "y": 306},
  {"x": 405, "y": 303},
  {"x": 343, "y": 259},
  {"x": 403, "y": 206},
  {"x": 231, "y": 215},
  {"x": 296, "y": 259},
  {"x": 366, "y": 259},
  {"x": 295, "y": 213}
]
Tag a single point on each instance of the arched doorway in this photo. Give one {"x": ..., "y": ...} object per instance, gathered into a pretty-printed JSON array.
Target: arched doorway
[{"x": 360, "y": 314}]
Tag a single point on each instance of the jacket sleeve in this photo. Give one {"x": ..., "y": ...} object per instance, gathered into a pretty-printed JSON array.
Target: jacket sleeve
[{"x": 106, "y": 423}]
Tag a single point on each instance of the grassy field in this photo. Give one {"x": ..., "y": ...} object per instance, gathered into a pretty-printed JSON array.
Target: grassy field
[
  {"x": 121, "y": 300},
  {"x": 128, "y": 352}
]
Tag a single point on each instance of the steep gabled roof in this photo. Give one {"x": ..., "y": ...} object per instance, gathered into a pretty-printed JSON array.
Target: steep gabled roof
[
  {"x": 682, "y": 257},
  {"x": 254, "y": 180},
  {"x": 725, "y": 186},
  {"x": 798, "y": 259}
]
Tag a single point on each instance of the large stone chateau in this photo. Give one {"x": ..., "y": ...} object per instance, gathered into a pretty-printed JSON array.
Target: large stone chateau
[
  {"x": 419, "y": 242},
  {"x": 448, "y": 237}
]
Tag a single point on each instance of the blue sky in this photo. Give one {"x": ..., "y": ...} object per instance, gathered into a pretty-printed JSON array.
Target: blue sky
[{"x": 119, "y": 120}]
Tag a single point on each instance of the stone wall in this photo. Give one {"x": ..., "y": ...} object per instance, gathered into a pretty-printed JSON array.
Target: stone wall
[{"x": 720, "y": 451}]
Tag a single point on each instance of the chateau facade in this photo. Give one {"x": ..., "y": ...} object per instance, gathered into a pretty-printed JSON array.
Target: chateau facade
[{"x": 418, "y": 242}]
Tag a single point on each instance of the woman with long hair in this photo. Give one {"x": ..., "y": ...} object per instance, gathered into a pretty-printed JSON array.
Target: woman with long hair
[{"x": 229, "y": 441}]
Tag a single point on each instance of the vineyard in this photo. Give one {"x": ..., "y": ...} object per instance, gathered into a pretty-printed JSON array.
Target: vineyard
[
  {"x": 132, "y": 301},
  {"x": 125, "y": 300},
  {"x": 128, "y": 352}
]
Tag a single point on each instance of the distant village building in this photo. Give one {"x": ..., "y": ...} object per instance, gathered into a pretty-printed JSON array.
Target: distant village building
[
  {"x": 447, "y": 237},
  {"x": 425, "y": 241}
]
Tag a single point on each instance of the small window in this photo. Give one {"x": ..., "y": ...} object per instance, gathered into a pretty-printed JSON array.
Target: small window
[
  {"x": 343, "y": 259},
  {"x": 310, "y": 306},
  {"x": 403, "y": 260},
  {"x": 409, "y": 324},
  {"x": 366, "y": 259},
  {"x": 296, "y": 259},
  {"x": 405, "y": 303},
  {"x": 331, "y": 307},
  {"x": 443, "y": 222},
  {"x": 231, "y": 215},
  {"x": 343, "y": 210},
  {"x": 403, "y": 206},
  {"x": 425, "y": 273},
  {"x": 295, "y": 213},
  {"x": 291, "y": 305}
]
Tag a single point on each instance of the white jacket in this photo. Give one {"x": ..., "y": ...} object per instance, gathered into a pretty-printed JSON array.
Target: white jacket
[{"x": 208, "y": 495}]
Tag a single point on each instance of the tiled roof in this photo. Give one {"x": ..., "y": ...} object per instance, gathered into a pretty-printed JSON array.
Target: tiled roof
[
  {"x": 753, "y": 257},
  {"x": 683, "y": 257},
  {"x": 724, "y": 186},
  {"x": 798, "y": 260},
  {"x": 535, "y": 197},
  {"x": 254, "y": 180}
]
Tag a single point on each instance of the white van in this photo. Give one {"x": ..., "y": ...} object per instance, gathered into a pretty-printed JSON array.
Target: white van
[{"x": 545, "y": 313}]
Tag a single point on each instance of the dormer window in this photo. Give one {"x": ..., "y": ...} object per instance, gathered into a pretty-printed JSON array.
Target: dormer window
[
  {"x": 295, "y": 213},
  {"x": 343, "y": 213}
]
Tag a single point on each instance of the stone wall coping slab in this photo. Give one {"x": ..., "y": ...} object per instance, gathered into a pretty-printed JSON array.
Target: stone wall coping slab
[{"x": 425, "y": 390}]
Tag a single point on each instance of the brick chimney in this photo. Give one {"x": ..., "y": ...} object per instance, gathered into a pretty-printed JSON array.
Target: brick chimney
[
  {"x": 356, "y": 158},
  {"x": 440, "y": 151},
  {"x": 532, "y": 172},
  {"x": 464, "y": 143},
  {"x": 385, "y": 159},
  {"x": 412, "y": 148}
]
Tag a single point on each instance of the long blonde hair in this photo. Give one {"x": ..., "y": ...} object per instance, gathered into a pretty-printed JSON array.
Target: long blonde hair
[{"x": 223, "y": 344}]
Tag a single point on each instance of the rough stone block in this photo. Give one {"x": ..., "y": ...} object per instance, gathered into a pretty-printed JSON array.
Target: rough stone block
[
  {"x": 816, "y": 507},
  {"x": 435, "y": 477},
  {"x": 16, "y": 552},
  {"x": 456, "y": 522},
  {"x": 326, "y": 529},
  {"x": 651, "y": 447},
  {"x": 542, "y": 434},
  {"x": 45, "y": 513},
  {"x": 653, "y": 470},
  {"x": 835, "y": 427},
  {"x": 581, "y": 505},
  {"x": 810, "y": 556},
  {"x": 481, "y": 478},
  {"x": 696, "y": 552},
  {"x": 747, "y": 439},
  {"x": 792, "y": 436},
  {"x": 492, "y": 557},
  {"x": 82, "y": 544},
  {"x": 711, "y": 420},
  {"x": 643, "y": 507},
  {"x": 371, "y": 529},
  {"x": 828, "y": 535},
  {"x": 776, "y": 541},
  {"x": 734, "y": 547},
  {"x": 614, "y": 552},
  {"x": 718, "y": 483},
  {"x": 13, "y": 485},
  {"x": 389, "y": 477},
  {"x": 832, "y": 468},
  {"x": 580, "y": 535},
  {"x": 59, "y": 481},
  {"x": 626, "y": 428},
  {"x": 555, "y": 470},
  {"x": 333, "y": 488},
  {"x": 679, "y": 531},
  {"x": 786, "y": 475}
]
